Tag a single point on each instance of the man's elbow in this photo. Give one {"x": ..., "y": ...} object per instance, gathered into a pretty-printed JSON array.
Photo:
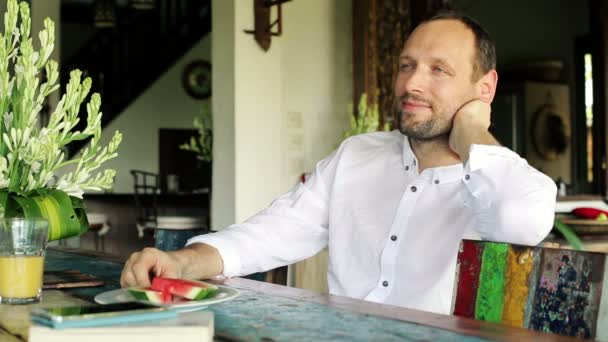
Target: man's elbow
[{"x": 526, "y": 225}]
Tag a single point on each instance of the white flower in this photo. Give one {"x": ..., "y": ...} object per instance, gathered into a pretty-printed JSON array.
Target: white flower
[
  {"x": 35, "y": 57},
  {"x": 31, "y": 154},
  {"x": 36, "y": 167},
  {"x": 70, "y": 188},
  {"x": 82, "y": 177},
  {"x": 8, "y": 120}
]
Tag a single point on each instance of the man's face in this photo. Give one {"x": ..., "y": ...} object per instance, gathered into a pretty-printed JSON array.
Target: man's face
[{"x": 435, "y": 78}]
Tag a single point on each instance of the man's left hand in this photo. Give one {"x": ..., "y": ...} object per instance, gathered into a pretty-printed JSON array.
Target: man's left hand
[{"x": 470, "y": 126}]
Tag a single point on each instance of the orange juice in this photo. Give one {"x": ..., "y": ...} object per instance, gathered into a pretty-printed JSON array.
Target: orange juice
[{"x": 21, "y": 276}]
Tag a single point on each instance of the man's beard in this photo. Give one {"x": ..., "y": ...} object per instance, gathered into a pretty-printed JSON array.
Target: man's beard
[{"x": 428, "y": 130}]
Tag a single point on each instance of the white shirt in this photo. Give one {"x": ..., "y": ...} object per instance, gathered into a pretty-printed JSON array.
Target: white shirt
[{"x": 393, "y": 233}]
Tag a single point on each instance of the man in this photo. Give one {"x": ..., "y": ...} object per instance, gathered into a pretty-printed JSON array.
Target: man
[{"x": 393, "y": 207}]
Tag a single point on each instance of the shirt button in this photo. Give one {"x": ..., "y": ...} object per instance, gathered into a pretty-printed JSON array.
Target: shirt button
[
  {"x": 394, "y": 237},
  {"x": 467, "y": 177},
  {"x": 413, "y": 189},
  {"x": 407, "y": 168},
  {"x": 385, "y": 283},
  {"x": 436, "y": 181}
]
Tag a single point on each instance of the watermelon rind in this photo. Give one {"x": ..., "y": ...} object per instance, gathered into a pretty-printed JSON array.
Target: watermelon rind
[
  {"x": 206, "y": 293},
  {"x": 149, "y": 295}
]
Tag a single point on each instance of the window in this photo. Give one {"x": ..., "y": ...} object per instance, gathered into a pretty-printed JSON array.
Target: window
[{"x": 589, "y": 115}]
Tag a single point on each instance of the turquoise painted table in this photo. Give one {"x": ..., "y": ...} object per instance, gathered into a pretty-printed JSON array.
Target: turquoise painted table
[{"x": 268, "y": 312}]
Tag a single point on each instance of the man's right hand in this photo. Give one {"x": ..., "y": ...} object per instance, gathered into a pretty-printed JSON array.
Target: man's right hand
[
  {"x": 149, "y": 262},
  {"x": 196, "y": 261}
]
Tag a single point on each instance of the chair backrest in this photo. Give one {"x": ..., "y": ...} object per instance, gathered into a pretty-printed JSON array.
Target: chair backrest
[
  {"x": 547, "y": 289},
  {"x": 145, "y": 190}
]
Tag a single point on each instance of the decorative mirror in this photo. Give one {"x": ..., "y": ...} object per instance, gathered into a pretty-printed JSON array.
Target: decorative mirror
[
  {"x": 550, "y": 132},
  {"x": 196, "y": 79}
]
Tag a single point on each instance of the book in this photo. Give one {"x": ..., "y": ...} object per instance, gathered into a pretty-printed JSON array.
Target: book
[
  {"x": 99, "y": 315},
  {"x": 187, "y": 326},
  {"x": 65, "y": 279}
]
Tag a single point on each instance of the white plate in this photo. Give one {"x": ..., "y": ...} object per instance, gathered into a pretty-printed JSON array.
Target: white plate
[{"x": 122, "y": 295}]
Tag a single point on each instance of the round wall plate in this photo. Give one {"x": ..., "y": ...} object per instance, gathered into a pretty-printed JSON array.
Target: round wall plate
[{"x": 196, "y": 79}]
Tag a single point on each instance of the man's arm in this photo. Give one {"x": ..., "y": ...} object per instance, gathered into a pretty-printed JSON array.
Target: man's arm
[
  {"x": 292, "y": 228},
  {"x": 512, "y": 201}
]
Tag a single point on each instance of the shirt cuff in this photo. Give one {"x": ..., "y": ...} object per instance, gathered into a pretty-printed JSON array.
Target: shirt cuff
[{"x": 230, "y": 257}]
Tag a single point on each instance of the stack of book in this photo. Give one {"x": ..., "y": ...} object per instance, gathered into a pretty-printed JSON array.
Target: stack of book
[{"x": 185, "y": 327}]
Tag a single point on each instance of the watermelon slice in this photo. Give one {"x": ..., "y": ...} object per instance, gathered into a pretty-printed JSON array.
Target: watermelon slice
[
  {"x": 190, "y": 289},
  {"x": 147, "y": 294}
]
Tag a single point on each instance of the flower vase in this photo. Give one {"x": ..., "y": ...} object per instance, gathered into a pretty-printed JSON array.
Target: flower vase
[{"x": 66, "y": 215}]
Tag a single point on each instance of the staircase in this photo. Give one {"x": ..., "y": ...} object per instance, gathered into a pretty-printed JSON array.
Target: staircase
[{"x": 124, "y": 60}]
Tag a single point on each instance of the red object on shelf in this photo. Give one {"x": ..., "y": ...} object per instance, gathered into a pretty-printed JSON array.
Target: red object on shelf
[{"x": 588, "y": 213}]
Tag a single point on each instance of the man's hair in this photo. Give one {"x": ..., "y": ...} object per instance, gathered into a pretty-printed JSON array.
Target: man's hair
[{"x": 485, "y": 54}]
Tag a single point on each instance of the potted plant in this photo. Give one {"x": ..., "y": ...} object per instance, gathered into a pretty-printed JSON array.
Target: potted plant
[
  {"x": 202, "y": 144},
  {"x": 367, "y": 120},
  {"x": 32, "y": 153}
]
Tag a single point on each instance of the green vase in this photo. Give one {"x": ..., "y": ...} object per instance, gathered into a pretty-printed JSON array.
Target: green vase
[{"x": 66, "y": 215}]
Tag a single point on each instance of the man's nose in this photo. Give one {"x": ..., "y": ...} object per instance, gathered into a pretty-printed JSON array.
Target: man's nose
[{"x": 414, "y": 82}]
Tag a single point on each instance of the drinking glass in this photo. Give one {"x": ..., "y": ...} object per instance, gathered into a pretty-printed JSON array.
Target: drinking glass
[{"x": 22, "y": 249}]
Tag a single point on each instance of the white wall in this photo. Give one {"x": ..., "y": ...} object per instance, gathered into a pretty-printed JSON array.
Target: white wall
[
  {"x": 317, "y": 82},
  {"x": 257, "y": 117},
  {"x": 289, "y": 104},
  {"x": 223, "y": 84},
  {"x": 164, "y": 105}
]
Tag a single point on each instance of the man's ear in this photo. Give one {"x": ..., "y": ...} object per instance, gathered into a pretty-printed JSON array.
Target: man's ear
[{"x": 487, "y": 86}]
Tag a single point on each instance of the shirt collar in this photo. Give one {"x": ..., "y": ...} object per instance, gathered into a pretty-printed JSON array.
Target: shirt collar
[{"x": 448, "y": 173}]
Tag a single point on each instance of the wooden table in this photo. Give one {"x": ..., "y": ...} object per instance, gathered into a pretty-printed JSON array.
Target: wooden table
[{"x": 271, "y": 312}]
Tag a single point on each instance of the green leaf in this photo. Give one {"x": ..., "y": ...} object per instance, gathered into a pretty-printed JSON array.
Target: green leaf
[
  {"x": 81, "y": 213},
  {"x": 569, "y": 235},
  {"x": 3, "y": 200},
  {"x": 66, "y": 215}
]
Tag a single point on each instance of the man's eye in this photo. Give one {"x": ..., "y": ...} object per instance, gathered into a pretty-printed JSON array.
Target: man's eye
[
  {"x": 405, "y": 67},
  {"x": 440, "y": 70}
]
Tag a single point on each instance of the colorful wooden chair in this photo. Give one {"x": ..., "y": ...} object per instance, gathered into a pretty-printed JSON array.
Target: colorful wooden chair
[{"x": 546, "y": 289}]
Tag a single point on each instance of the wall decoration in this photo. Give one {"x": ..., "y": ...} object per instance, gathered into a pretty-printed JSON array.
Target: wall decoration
[
  {"x": 196, "y": 79},
  {"x": 263, "y": 28}
]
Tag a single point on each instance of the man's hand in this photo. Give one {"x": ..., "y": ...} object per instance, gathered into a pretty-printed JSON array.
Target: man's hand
[
  {"x": 470, "y": 126},
  {"x": 150, "y": 262},
  {"x": 197, "y": 261}
]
